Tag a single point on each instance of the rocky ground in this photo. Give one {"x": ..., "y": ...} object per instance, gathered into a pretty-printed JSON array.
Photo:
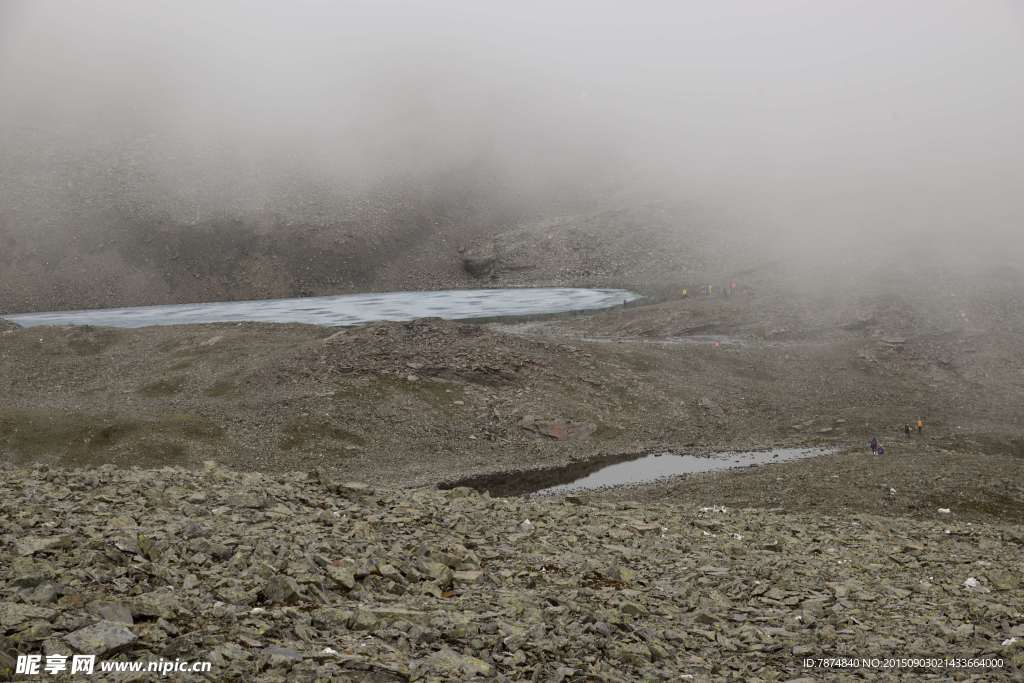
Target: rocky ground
[
  {"x": 763, "y": 368},
  {"x": 117, "y": 538},
  {"x": 304, "y": 576},
  {"x": 917, "y": 477}
]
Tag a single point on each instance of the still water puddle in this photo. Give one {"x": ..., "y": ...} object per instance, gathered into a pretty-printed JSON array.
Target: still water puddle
[
  {"x": 625, "y": 470},
  {"x": 350, "y": 309}
]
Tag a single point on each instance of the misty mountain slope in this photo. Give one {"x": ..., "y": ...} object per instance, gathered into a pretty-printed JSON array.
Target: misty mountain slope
[
  {"x": 151, "y": 258},
  {"x": 144, "y": 258},
  {"x": 643, "y": 245},
  {"x": 776, "y": 300},
  {"x": 376, "y": 142}
]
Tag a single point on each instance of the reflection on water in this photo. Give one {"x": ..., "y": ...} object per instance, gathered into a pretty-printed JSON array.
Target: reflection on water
[
  {"x": 625, "y": 469},
  {"x": 350, "y": 309},
  {"x": 658, "y": 466}
]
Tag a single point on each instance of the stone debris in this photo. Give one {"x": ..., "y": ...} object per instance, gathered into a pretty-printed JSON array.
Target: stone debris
[
  {"x": 304, "y": 576},
  {"x": 100, "y": 639},
  {"x": 31, "y": 545}
]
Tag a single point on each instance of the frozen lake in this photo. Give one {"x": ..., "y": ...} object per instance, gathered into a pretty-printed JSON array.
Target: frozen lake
[{"x": 348, "y": 309}]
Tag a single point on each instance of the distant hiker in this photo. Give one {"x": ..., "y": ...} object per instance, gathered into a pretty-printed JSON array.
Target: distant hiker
[
  {"x": 906, "y": 429},
  {"x": 920, "y": 425},
  {"x": 732, "y": 285},
  {"x": 874, "y": 444},
  {"x": 685, "y": 293}
]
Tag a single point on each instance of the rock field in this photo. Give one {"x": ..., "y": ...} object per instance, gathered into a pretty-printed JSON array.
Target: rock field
[{"x": 303, "y": 576}]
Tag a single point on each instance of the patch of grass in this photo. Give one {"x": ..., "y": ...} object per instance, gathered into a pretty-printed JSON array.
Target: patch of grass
[
  {"x": 144, "y": 453},
  {"x": 163, "y": 387},
  {"x": 90, "y": 341},
  {"x": 169, "y": 345},
  {"x": 37, "y": 433},
  {"x": 190, "y": 426},
  {"x": 990, "y": 444},
  {"x": 300, "y": 431},
  {"x": 107, "y": 435},
  {"x": 998, "y": 506},
  {"x": 362, "y": 387},
  {"x": 434, "y": 392},
  {"x": 438, "y": 393},
  {"x": 604, "y": 432},
  {"x": 640, "y": 362},
  {"x": 161, "y": 452},
  {"x": 77, "y": 437},
  {"x": 221, "y": 388}
]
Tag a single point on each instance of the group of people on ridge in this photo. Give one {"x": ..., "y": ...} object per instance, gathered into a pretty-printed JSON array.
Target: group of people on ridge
[
  {"x": 878, "y": 449},
  {"x": 709, "y": 290}
]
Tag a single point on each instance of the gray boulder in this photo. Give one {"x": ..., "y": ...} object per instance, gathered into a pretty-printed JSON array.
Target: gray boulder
[
  {"x": 101, "y": 638},
  {"x": 455, "y": 666},
  {"x": 281, "y": 590},
  {"x": 480, "y": 262}
]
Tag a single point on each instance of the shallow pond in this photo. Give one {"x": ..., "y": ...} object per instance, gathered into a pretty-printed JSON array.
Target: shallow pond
[
  {"x": 349, "y": 309},
  {"x": 626, "y": 469}
]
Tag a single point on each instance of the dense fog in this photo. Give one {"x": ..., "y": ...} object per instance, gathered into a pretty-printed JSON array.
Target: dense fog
[{"x": 820, "y": 124}]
